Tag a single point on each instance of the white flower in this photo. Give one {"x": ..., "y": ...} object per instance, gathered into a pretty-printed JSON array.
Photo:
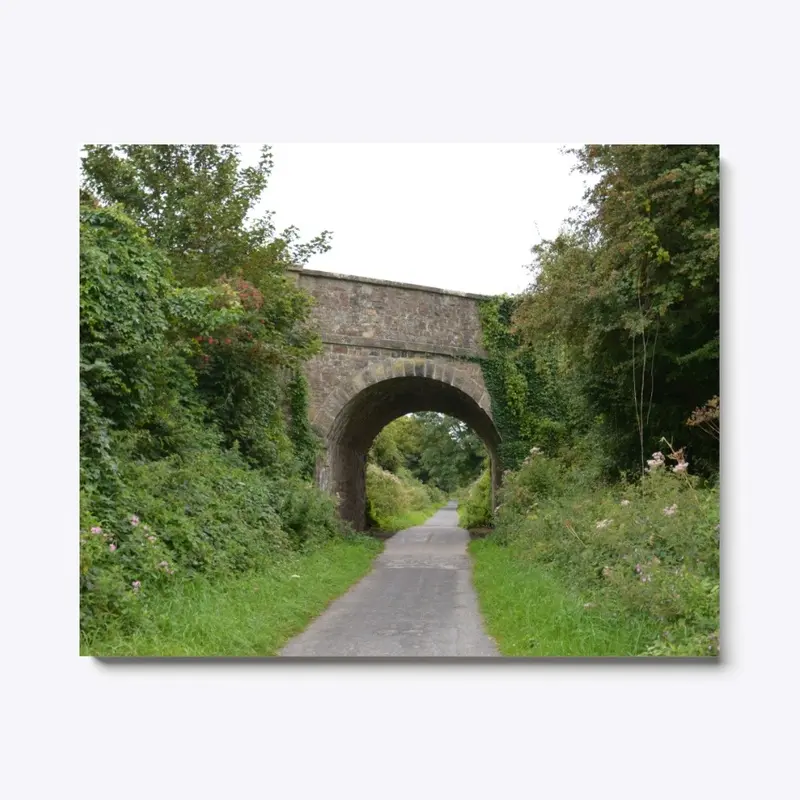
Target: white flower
[
  {"x": 671, "y": 510},
  {"x": 604, "y": 523},
  {"x": 624, "y": 502}
]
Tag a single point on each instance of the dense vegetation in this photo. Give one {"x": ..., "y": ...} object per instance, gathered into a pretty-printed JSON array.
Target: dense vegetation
[
  {"x": 415, "y": 464},
  {"x": 605, "y": 384},
  {"x": 196, "y": 450}
]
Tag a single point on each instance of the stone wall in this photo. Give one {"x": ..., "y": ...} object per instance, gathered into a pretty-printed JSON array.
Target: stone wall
[
  {"x": 388, "y": 349},
  {"x": 395, "y": 316}
]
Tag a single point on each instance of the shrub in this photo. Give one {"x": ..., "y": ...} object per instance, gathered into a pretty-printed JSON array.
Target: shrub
[
  {"x": 390, "y": 496},
  {"x": 649, "y": 547},
  {"x": 475, "y": 511}
]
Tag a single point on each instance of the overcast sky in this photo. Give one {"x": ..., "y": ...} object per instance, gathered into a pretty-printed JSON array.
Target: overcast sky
[{"x": 456, "y": 216}]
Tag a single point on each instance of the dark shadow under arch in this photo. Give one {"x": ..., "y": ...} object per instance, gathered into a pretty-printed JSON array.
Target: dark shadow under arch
[{"x": 361, "y": 419}]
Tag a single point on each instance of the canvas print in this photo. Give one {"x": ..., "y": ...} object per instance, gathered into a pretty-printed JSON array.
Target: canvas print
[{"x": 399, "y": 401}]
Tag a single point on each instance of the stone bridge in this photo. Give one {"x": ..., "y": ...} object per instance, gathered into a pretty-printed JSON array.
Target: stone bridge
[{"x": 389, "y": 349}]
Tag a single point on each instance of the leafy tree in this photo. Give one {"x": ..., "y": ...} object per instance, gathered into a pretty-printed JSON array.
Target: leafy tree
[
  {"x": 236, "y": 317},
  {"x": 631, "y": 289},
  {"x": 433, "y": 448},
  {"x": 197, "y": 204}
]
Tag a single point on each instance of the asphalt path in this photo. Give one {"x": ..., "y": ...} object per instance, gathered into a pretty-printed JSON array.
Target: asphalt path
[{"x": 418, "y": 601}]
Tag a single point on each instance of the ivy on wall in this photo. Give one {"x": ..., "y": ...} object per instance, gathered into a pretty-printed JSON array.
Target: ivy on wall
[
  {"x": 305, "y": 441},
  {"x": 528, "y": 401}
]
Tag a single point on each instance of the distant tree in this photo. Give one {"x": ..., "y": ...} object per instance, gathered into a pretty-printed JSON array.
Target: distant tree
[{"x": 434, "y": 448}]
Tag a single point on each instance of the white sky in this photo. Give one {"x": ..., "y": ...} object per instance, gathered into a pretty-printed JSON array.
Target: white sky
[{"x": 457, "y": 216}]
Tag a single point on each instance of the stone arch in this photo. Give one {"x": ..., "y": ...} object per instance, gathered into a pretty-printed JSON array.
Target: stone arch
[{"x": 352, "y": 415}]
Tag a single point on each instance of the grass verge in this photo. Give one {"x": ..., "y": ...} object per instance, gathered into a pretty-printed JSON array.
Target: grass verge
[
  {"x": 529, "y": 612},
  {"x": 245, "y": 615}
]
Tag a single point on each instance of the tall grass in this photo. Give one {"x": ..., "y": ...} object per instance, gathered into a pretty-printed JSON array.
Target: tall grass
[
  {"x": 576, "y": 567},
  {"x": 251, "y": 614}
]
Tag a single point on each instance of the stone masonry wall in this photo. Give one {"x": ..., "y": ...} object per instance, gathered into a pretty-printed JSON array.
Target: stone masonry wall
[
  {"x": 374, "y": 333},
  {"x": 395, "y": 316}
]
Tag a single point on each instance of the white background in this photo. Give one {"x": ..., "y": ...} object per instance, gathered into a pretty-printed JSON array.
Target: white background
[
  {"x": 455, "y": 216},
  {"x": 410, "y": 72}
]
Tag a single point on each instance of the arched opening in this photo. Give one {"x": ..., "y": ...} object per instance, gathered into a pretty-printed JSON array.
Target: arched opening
[{"x": 365, "y": 414}]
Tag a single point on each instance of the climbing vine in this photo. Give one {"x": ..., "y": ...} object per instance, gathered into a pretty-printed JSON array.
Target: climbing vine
[
  {"x": 301, "y": 433},
  {"x": 528, "y": 401}
]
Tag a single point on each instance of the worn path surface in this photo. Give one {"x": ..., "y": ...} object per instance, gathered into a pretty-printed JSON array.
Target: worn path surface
[{"x": 418, "y": 601}]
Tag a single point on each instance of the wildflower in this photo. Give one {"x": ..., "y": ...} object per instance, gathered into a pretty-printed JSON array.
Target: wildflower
[
  {"x": 638, "y": 567},
  {"x": 604, "y": 523},
  {"x": 681, "y": 466},
  {"x": 536, "y": 451},
  {"x": 624, "y": 502},
  {"x": 606, "y": 572},
  {"x": 136, "y": 585},
  {"x": 151, "y": 538},
  {"x": 112, "y": 547},
  {"x": 655, "y": 462},
  {"x": 97, "y": 530},
  {"x": 134, "y": 520},
  {"x": 589, "y": 605},
  {"x": 163, "y": 564},
  {"x": 670, "y": 511},
  {"x": 645, "y": 578}
]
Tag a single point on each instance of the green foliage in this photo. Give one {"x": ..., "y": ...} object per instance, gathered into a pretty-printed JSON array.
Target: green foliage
[
  {"x": 251, "y": 614},
  {"x": 530, "y": 612},
  {"x": 475, "y": 511},
  {"x": 196, "y": 447},
  {"x": 304, "y": 441},
  {"x": 630, "y": 289},
  {"x": 646, "y": 550},
  {"x": 533, "y": 402},
  {"x": 197, "y": 203},
  {"x": 122, "y": 322},
  {"x": 391, "y": 498},
  {"x": 436, "y": 449}
]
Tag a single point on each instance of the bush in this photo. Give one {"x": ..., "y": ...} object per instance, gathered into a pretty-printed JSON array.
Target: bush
[
  {"x": 195, "y": 440},
  {"x": 649, "y": 547},
  {"x": 390, "y": 496},
  {"x": 475, "y": 511}
]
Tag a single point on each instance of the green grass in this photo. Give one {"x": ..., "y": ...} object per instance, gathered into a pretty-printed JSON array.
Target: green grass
[
  {"x": 245, "y": 615},
  {"x": 529, "y": 612},
  {"x": 408, "y": 519}
]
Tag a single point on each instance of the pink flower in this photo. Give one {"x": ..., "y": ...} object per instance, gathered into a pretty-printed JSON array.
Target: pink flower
[
  {"x": 681, "y": 466},
  {"x": 134, "y": 520},
  {"x": 151, "y": 538},
  {"x": 97, "y": 529},
  {"x": 136, "y": 586},
  {"x": 112, "y": 547}
]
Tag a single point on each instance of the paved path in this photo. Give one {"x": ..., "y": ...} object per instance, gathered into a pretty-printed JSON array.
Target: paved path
[{"x": 417, "y": 601}]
